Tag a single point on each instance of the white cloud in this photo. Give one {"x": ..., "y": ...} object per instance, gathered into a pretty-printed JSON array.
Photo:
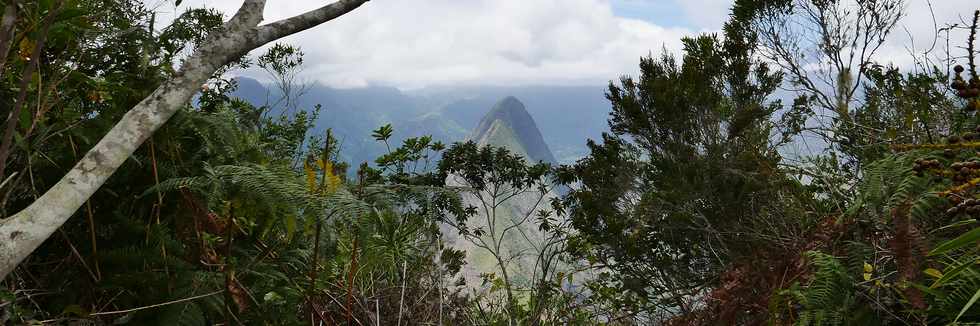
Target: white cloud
[{"x": 411, "y": 44}]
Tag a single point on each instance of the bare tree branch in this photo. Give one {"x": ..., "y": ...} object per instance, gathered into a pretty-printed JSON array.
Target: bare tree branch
[{"x": 282, "y": 28}]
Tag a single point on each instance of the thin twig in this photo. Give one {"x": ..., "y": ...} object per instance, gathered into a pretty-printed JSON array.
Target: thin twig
[
  {"x": 95, "y": 246},
  {"x": 78, "y": 255},
  {"x": 156, "y": 305},
  {"x": 401, "y": 302},
  {"x": 5, "y": 181}
]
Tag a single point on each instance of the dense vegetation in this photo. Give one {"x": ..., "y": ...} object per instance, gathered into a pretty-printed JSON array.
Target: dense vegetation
[{"x": 689, "y": 212}]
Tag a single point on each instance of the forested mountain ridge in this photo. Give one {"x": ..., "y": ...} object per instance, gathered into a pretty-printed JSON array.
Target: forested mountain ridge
[{"x": 569, "y": 114}]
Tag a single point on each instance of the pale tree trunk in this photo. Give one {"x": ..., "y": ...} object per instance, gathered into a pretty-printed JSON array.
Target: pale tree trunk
[{"x": 25, "y": 231}]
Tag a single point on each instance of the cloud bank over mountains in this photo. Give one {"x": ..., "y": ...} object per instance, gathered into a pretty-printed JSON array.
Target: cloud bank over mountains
[
  {"x": 419, "y": 43},
  {"x": 423, "y": 43}
]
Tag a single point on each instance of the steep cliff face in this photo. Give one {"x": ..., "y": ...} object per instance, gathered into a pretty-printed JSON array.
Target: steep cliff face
[{"x": 509, "y": 125}]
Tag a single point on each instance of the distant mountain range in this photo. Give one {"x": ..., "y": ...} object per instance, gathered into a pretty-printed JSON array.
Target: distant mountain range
[{"x": 565, "y": 115}]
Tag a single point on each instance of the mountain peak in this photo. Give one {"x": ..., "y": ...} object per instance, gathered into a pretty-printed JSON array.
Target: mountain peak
[
  {"x": 509, "y": 125},
  {"x": 511, "y": 102}
]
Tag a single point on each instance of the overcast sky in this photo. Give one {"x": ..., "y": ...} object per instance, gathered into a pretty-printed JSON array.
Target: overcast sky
[{"x": 412, "y": 44}]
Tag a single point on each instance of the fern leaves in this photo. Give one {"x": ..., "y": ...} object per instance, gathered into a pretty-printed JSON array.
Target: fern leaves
[{"x": 891, "y": 182}]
